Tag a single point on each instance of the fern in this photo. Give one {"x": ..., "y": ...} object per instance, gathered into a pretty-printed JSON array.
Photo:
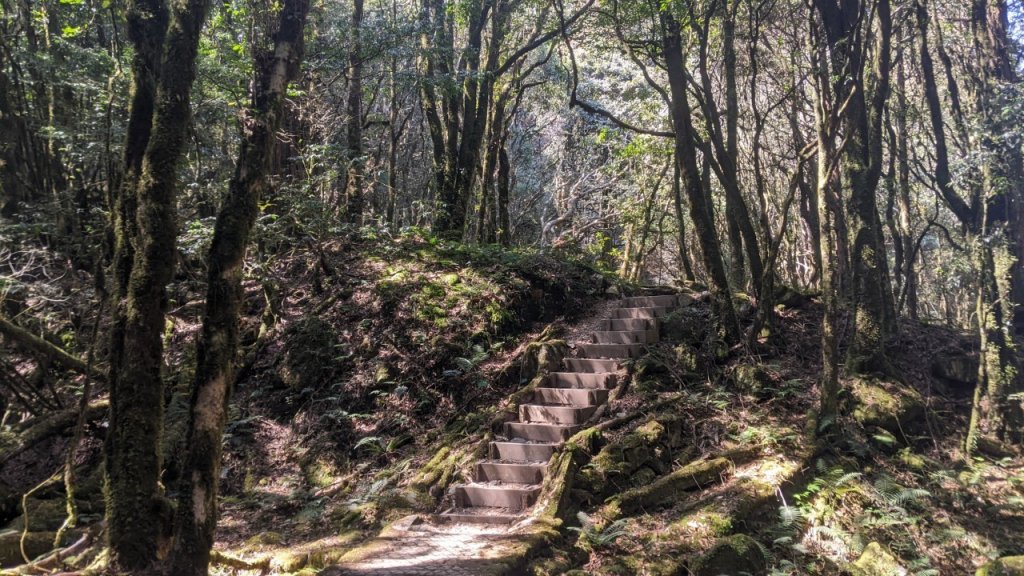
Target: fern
[{"x": 593, "y": 536}]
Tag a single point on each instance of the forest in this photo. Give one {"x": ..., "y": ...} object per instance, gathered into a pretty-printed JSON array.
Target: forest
[{"x": 614, "y": 287}]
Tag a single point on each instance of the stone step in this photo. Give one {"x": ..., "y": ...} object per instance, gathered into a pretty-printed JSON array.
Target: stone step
[
  {"x": 668, "y": 301},
  {"x": 620, "y": 337},
  {"x": 555, "y": 414},
  {"x": 570, "y": 396},
  {"x": 648, "y": 312},
  {"x": 515, "y": 498},
  {"x": 493, "y": 516},
  {"x": 523, "y": 451},
  {"x": 611, "y": 350},
  {"x": 591, "y": 366},
  {"x": 540, "y": 432},
  {"x": 617, "y": 337},
  {"x": 630, "y": 324},
  {"x": 512, "y": 473},
  {"x": 582, "y": 380}
]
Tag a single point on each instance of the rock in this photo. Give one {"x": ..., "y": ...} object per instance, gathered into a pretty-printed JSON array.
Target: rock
[
  {"x": 636, "y": 458},
  {"x": 876, "y": 561},
  {"x": 790, "y": 297},
  {"x": 36, "y": 544},
  {"x": 1006, "y": 566},
  {"x": 688, "y": 358},
  {"x": 889, "y": 405},
  {"x": 49, "y": 514},
  {"x": 667, "y": 489},
  {"x": 751, "y": 379},
  {"x": 736, "y": 554},
  {"x": 958, "y": 371},
  {"x": 648, "y": 366}
]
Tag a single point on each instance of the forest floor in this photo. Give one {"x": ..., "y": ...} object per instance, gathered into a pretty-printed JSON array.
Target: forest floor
[{"x": 374, "y": 369}]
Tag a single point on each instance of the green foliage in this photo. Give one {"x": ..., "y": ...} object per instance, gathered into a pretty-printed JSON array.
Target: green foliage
[
  {"x": 381, "y": 446},
  {"x": 593, "y": 536}
]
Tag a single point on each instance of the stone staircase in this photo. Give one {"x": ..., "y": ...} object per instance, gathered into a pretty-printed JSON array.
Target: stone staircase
[{"x": 509, "y": 481}]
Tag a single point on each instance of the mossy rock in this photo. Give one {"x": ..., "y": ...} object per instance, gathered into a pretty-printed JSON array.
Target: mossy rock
[
  {"x": 958, "y": 371},
  {"x": 49, "y": 514},
  {"x": 751, "y": 379},
  {"x": 876, "y": 561},
  {"x": 647, "y": 366},
  {"x": 36, "y": 544},
  {"x": 1006, "y": 566},
  {"x": 671, "y": 487},
  {"x": 688, "y": 358},
  {"x": 889, "y": 405},
  {"x": 791, "y": 297},
  {"x": 651, "y": 446},
  {"x": 736, "y": 554}
]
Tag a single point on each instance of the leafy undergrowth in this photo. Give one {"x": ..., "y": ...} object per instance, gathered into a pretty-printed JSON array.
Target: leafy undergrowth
[{"x": 903, "y": 496}]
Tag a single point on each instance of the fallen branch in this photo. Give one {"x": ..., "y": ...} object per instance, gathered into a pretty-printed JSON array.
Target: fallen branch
[
  {"x": 40, "y": 347},
  {"x": 52, "y": 424}
]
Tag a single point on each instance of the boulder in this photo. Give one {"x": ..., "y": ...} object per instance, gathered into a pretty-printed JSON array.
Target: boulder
[
  {"x": 751, "y": 379},
  {"x": 876, "y": 561},
  {"x": 736, "y": 554},
  {"x": 685, "y": 325},
  {"x": 888, "y": 405},
  {"x": 36, "y": 544},
  {"x": 957, "y": 370},
  {"x": 636, "y": 458},
  {"x": 311, "y": 353},
  {"x": 1005, "y": 566}
]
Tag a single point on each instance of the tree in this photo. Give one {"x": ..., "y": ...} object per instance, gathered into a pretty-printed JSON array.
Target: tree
[
  {"x": 166, "y": 42},
  {"x": 276, "y": 64},
  {"x": 847, "y": 40}
]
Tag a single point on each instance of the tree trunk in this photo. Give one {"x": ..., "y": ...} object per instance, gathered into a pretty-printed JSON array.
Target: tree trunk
[
  {"x": 275, "y": 67},
  {"x": 137, "y": 514},
  {"x": 686, "y": 156},
  {"x": 874, "y": 320},
  {"x": 354, "y": 107},
  {"x": 677, "y": 202}
]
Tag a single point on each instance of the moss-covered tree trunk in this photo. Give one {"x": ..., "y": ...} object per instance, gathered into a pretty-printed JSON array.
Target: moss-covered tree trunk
[
  {"x": 827, "y": 238},
  {"x": 354, "y": 105},
  {"x": 276, "y": 65},
  {"x": 136, "y": 511},
  {"x": 874, "y": 313},
  {"x": 686, "y": 156}
]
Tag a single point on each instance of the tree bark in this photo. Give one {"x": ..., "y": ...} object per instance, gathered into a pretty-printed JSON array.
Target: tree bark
[
  {"x": 874, "y": 321},
  {"x": 276, "y": 66},
  {"x": 137, "y": 515},
  {"x": 686, "y": 156},
  {"x": 354, "y": 107}
]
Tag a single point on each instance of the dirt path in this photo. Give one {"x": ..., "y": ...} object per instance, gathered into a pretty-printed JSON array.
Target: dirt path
[{"x": 417, "y": 547}]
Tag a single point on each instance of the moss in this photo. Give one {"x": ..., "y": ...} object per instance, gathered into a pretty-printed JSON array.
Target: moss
[
  {"x": 887, "y": 405},
  {"x": 36, "y": 544},
  {"x": 652, "y": 445},
  {"x": 736, "y": 554},
  {"x": 668, "y": 488},
  {"x": 1008, "y": 566},
  {"x": 751, "y": 379},
  {"x": 875, "y": 561}
]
